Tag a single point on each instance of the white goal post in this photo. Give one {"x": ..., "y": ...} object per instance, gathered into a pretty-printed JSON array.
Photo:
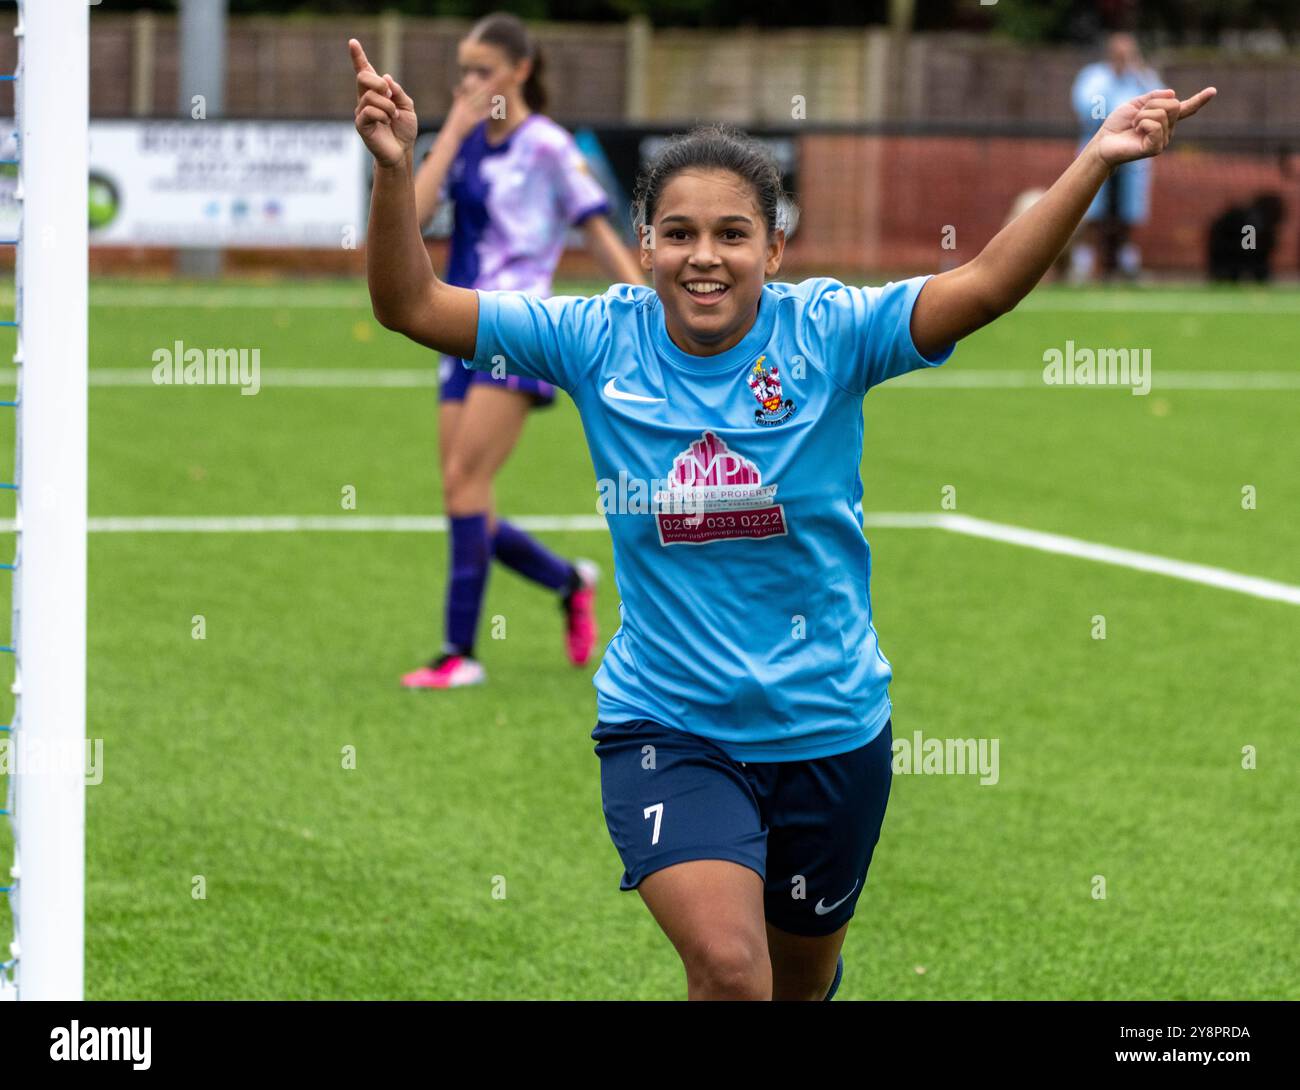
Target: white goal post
[{"x": 47, "y": 884}]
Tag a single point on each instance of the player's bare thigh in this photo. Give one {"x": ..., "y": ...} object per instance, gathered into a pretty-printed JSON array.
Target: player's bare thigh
[
  {"x": 712, "y": 912},
  {"x": 803, "y": 967},
  {"x": 449, "y": 414},
  {"x": 475, "y": 439}
]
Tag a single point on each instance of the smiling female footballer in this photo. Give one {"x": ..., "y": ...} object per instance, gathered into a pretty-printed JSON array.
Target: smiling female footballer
[{"x": 743, "y": 710}]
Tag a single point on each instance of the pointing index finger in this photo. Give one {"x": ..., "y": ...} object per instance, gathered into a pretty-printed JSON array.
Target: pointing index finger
[
  {"x": 359, "y": 61},
  {"x": 1186, "y": 109}
]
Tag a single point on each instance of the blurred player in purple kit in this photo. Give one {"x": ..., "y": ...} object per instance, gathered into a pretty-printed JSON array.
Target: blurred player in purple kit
[{"x": 518, "y": 182}]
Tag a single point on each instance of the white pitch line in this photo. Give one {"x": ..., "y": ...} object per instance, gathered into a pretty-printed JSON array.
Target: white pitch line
[
  {"x": 1029, "y": 380},
  {"x": 309, "y": 377},
  {"x": 1203, "y": 574},
  {"x": 262, "y": 524},
  {"x": 1124, "y": 558},
  {"x": 1226, "y": 380},
  {"x": 218, "y": 298},
  {"x": 956, "y": 379},
  {"x": 411, "y": 524},
  {"x": 1281, "y": 300},
  {"x": 1191, "y": 304}
]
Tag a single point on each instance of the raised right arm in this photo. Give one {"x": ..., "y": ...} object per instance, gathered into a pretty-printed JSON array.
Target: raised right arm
[{"x": 405, "y": 294}]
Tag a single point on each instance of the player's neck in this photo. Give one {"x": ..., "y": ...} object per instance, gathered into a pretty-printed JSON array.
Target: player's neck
[
  {"x": 681, "y": 336},
  {"x": 499, "y": 128}
]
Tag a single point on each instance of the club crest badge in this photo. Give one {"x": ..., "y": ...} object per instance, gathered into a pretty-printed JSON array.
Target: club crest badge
[{"x": 766, "y": 385}]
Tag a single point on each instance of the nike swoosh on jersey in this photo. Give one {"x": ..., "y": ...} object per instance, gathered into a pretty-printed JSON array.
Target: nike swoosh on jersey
[
  {"x": 821, "y": 911},
  {"x": 615, "y": 394}
]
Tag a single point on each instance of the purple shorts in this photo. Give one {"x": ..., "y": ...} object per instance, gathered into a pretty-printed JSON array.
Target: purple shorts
[{"x": 454, "y": 380}]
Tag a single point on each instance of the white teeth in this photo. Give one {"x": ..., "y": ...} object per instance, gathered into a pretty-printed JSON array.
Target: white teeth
[{"x": 705, "y": 288}]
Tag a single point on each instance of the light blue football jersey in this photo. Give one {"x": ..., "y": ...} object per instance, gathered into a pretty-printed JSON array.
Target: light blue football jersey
[{"x": 731, "y": 485}]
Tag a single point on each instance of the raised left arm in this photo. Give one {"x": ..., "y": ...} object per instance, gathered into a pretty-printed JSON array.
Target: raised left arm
[{"x": 956, "y": 303}]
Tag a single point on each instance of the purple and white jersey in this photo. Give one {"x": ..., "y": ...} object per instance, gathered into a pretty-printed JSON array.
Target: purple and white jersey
[{"x": 514, "y": 202}]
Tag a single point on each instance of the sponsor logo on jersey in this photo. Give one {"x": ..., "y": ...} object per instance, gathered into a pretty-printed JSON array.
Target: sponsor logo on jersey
[
  {"x": 766, "y": 386},
  {"x": 716, "y": 494},
  {"x": 615, "y": 394}
]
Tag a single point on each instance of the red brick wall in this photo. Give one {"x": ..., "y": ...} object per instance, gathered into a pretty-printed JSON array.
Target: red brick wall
[
  {"x": 873, "y": 204},
  {"x": 882, "y": 203}
]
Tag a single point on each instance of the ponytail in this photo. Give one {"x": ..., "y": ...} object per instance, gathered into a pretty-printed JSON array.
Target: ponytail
[{"x": 534, "y": 88}]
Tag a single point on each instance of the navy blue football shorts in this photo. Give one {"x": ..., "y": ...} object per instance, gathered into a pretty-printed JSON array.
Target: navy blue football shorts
[
  {"x": 808, "y": 828},
  {"x": 455, "y": 379}
]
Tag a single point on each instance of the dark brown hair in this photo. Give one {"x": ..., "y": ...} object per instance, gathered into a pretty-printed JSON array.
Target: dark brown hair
[
  {"x": 509, "y": 34},
  {"x": 717, "y": 147}
]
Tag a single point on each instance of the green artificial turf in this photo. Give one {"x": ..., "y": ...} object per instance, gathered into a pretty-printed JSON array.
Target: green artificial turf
[{"x": 224, "y": 757}]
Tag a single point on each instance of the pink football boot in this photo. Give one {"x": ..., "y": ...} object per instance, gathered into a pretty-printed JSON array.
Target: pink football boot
[
  {"x": 446, "y": 672},
  {"x": 580, "y": 614}
]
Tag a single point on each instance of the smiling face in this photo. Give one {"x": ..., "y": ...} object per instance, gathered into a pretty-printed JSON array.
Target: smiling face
[{"x": 710, "y": 257}]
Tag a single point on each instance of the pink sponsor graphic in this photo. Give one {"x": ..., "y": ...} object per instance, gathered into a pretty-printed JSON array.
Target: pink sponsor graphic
[
  {"x": 752, "y": 522},
  {"x": 709, "y": 461},
  {"x": 715, "y": 494}
]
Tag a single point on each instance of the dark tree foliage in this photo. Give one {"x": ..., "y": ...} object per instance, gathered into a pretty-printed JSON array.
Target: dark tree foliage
[
  {"x": 1181, "y": 21},
  {"x": 660, "y": 12},
  {"x": 1185, "y": 22}
]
